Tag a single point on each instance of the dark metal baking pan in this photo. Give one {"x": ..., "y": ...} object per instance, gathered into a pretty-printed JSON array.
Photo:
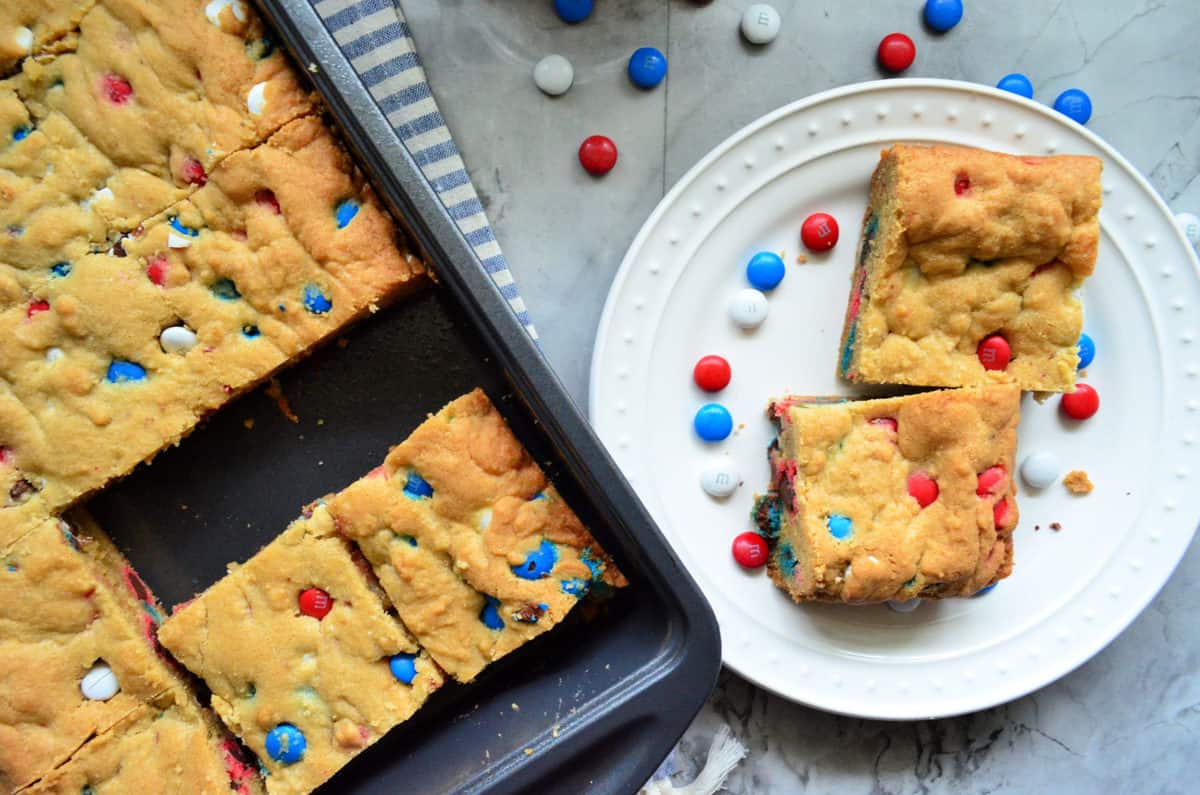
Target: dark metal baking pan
[{"x": 592, "y": 706}]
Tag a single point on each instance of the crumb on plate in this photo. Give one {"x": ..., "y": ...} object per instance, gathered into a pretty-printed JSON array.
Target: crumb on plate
[{"x": 1077, "y": 482}]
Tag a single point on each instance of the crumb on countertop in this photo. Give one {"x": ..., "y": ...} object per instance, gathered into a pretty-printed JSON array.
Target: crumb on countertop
[
  {"x": 528, "y": 752},
  {"x": 1055, "y": 526},
  {"x": 248, "y": 423},
  {"x": 801, "y": 259},
  {"x": 343, "y": 342},
  {"x": 1077, "y": 482},
  {"x": 515, "y": 707}
]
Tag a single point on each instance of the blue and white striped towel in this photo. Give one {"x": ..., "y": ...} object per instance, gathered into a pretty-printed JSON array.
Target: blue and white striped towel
[{"x": 376, "y": 39}]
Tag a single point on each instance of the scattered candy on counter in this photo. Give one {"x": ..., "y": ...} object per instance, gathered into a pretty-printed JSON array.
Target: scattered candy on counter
[
  {"x": 597, "y": 155},
  {"x": 941, "y": 15},
  {"x": 750, "y": 550},
  {"x": 553, "y": 75},
  {"x": 819, "y": 232},
  {"x": 765, "y": 271},
  {"x": 404, "y": 667},
  {"x": 285, "y": 743},
  {"x": 896, "y": 52},
  {"x": 177, "y": 339},
  {"x": 647, "y": 67},
  {"x": 315, "y": 603},
  {"x": 994, "y": 352},
  {"x": 1040, "y": 470},
  {"x": 840, "y": 527},
  {"x": 904, "y": 606},
  {"x": 922, "y": 488},
  {"x": 1189, "y": 224},
  {"x": 760, "y": 24},
  {"x": 1075, "y": 105},
  {"x": 573, "y": 11},
  {"x": 712, "y": 373},
  {"x": 99, "y": 683},
  {"x": 713, "y": 422},
  {"x": 1087, "y": 351},
  {"x": 748, "y": 308},
  {"x": 1082, "y": 403},
  {"x": 1017, "y": 83},
  {"x": 719, "y": 480}
]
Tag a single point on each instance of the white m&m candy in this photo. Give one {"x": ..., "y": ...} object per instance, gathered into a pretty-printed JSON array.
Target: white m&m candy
[
  {"x": 748, "y": 308},
  {"x": 99, "y": 683},
  {"x": 760, "y": 24},
  {"x": 904, "y": 606},
  {"x": 719, "y": 480},
  {"x": 1040, "y": 469},
  {"x": 553, "y": 75},
  {"x": 177, "y": 339}
]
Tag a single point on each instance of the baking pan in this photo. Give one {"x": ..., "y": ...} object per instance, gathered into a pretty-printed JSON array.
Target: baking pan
[{"x": 592, "y": 706}]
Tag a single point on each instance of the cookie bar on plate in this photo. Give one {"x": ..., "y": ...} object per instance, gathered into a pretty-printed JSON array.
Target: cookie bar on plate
[
  {"x": 967, "y": 269},
  {"x": 895, "y": 498},
  {"x": 474, "y": 547},
  {"x": 155, "y": 750},
  {"x": 78, "y": 654},
  {"x": 304, "y": 661},
  {"x": 113, "y": 356}
]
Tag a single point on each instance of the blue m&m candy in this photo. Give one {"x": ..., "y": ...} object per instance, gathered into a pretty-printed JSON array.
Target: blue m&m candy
[
  {"x": 404, "y": 667},
  {"x": 647, "y": 67},
  {"x": 982, "y": 591},
  {"x": 572, "y": 11},
  {"x": 316, "y": 301},
  {"x": 941, "y": 15},
  {"x": 1087, "y": 350},
  {"x": 121, "y": 371},
  {"x": 538, "y": 563},
  {"x": 22, "y": 132},
  {"x": 765, "y": 270},
  {"x": 840, "y": 527},
  {"x": 1075, "y": 105},
  {"x": 490, "y": 614},
  {"x": 417, "y": 487},
  {"x": 344, "y": 213},
  {"x": 1018, "y": 84},
  {"x": 713, "y": 422},
  {"x": 285, "y": 743}
]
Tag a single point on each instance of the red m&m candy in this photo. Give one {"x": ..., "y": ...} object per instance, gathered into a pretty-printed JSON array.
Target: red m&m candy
[
  {"x": 819, "y": 232},
  {"x": 712, "y": 373},
  {"x": 116, "y": 89},
  {"x": 1000, "y": 514},
  {"x": 750, "y": 550},
  {"x": 991, "y": 480},
  {"x": 897, "y": 52},
  {"x": 1082, "y": 403},
  {"x": 597, "y": 155},
  {"x": 315, "y": 602},
  {"x": 922, "y": 488},
  {"x": 994, "y": 353}
]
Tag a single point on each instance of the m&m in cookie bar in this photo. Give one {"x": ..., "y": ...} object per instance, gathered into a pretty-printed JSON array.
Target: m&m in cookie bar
[
  {"x": 78, "y": 654},
  {"x": 896, "y": 498},
  {"x": 967, "y": 269},
  {"x": 305, "y": 662},
  {"x": 114, "y": 355},
  {"x": 156, "y": 750},
  {"x": 32, "y": 27},
  {"x": 474, "y": 547}
]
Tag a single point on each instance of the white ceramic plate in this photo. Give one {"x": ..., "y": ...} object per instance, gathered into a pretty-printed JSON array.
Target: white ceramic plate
[{"x": 1072, "y": 591}]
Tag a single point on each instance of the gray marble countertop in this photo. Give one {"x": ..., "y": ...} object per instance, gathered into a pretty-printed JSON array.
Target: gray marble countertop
[{"x": 1129, "y": 720}]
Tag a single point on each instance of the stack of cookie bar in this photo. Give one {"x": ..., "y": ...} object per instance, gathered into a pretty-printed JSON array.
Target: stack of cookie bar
[
  {"x": 178, "y": 222},
  {"x": 965, "y": 278}
]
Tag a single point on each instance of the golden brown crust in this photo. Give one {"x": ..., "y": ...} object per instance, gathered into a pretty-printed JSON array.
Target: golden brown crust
[
  {"x": 67, "y": 601},
  {"x": 833, "y": 460},
  {"x": 970, "y": 244},
  {"x": 267, "y": 663},
  {"x": 493, "y": 542}
]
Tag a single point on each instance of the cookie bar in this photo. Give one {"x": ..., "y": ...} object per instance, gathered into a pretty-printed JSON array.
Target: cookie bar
[
  {"x": 474, "y": 547},
  {"x": 114, "y": 355},
  {"x": 152, "y": 750},
  {"x": 896, "y": 498},
  {"x": 29, "y": 27},
  {"x": 304, "y": 662},
  {"x": 967, "y": 269},
  {"x": 77, "y": 648}
]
